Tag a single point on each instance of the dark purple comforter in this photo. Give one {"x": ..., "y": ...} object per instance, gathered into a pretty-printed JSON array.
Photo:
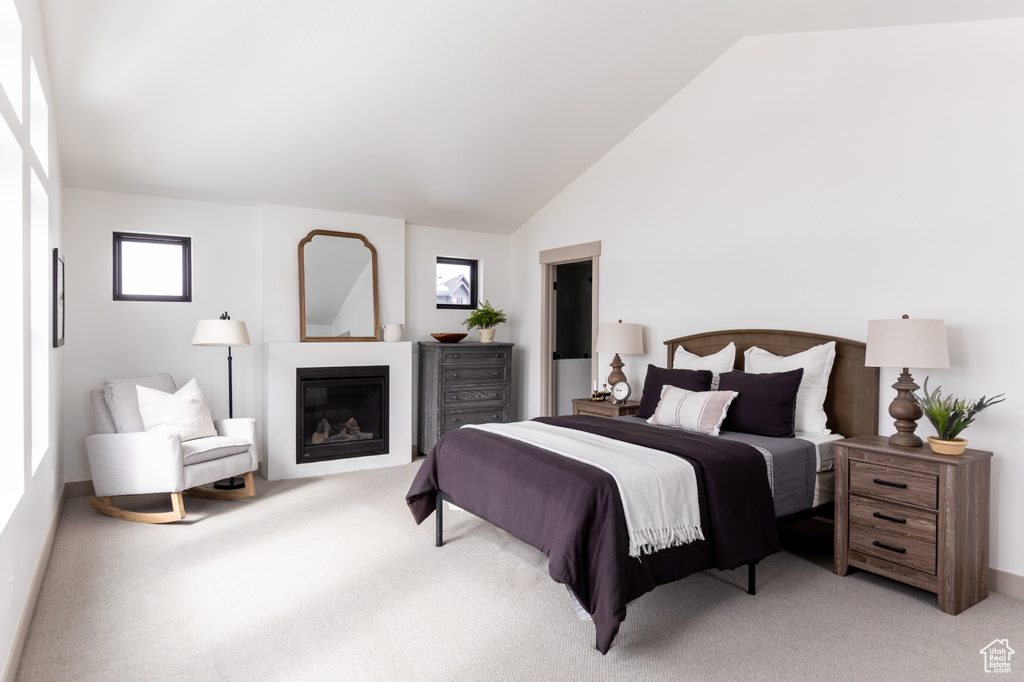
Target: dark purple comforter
[{"x": 572, "y": 511}]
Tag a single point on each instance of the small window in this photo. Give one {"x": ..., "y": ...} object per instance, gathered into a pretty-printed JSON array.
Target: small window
[
  {"x": 456, "y": 283},
  {"x": 152, "y": 267}
]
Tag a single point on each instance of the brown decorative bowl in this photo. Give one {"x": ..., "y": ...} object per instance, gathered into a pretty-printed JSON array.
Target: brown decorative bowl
[{"x": 449, "y": 338}]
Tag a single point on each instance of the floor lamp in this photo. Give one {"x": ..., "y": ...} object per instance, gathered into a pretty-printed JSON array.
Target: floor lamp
[{"x": 224, "y": 332}]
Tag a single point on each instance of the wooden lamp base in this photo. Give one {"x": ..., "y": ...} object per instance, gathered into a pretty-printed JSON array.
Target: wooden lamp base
[{"x": 905, "y": 410}]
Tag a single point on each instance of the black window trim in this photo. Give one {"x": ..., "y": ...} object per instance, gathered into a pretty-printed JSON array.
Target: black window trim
[
  {"x": 472, "y": 305},
  {"x": 186, "y": 265}
]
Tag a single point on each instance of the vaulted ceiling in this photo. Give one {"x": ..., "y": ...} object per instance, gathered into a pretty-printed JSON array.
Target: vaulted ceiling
[{"x": 466, "y": 114}]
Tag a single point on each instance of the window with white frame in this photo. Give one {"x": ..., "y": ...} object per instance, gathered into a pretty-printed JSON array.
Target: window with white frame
[
  {"x": 12, "y": 303},
  {"x": 40, "y": 319}
]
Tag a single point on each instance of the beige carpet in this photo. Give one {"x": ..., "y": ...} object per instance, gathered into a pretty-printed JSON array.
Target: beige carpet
[{"x": 330, "y": 579}]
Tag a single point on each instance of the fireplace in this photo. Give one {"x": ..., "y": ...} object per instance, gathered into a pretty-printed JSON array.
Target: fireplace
[{"x": 341, "y": 412}]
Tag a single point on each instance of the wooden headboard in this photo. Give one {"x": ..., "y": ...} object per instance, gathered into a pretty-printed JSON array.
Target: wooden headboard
[{"x": 852, "y": 400}]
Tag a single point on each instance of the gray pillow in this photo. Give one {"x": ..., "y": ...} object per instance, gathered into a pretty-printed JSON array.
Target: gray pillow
[{"x": 123, "y": 400}]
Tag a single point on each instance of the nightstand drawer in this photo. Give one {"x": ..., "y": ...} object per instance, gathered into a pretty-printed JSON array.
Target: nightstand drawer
[
  {"x": 894, "y": 484},
  {"x": 897, "y": 549},
  {"x": 476, "y": 374},
  {"x": 453, "y": 420},
  {"x": 893, "y": 518}
]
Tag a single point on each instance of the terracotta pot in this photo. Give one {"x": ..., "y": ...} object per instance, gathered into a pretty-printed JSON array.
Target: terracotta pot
[
  {"x": 487, "y": 335},
  {"x": 948, "y": 447}
]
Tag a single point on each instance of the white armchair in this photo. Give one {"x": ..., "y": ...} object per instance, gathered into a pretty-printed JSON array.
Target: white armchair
[{"x": 126, "y": 460}]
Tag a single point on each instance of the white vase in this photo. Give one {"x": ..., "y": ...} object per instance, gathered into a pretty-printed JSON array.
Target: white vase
[
  {"x": 486, "y": 335},
  {"x": 393, "y": 333}
]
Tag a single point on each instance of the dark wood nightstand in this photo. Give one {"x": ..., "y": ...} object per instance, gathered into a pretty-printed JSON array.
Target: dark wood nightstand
[
  {"x": 914, "y": 516},
  {"x": 605, "y": 408}
]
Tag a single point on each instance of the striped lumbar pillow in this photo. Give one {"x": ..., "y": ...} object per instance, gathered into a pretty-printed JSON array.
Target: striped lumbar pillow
[{"x": 702, "y": 411}]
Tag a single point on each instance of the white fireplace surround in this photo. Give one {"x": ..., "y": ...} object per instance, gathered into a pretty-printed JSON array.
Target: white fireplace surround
[{"x": 280, "y": 361}]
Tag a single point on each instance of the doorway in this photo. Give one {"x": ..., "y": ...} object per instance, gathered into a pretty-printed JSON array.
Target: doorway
[
  {"x": 568, "y": 364},
  {"x": 573, "y": 291}
]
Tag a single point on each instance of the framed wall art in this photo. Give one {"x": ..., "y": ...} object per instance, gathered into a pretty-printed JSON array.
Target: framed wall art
[{"x": 58, "y": 299}]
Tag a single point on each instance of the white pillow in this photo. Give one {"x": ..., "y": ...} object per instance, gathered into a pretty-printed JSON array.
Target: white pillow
[
  {"x": 184, "y": 412},
  {"x": 722, "y": 361},
  {"x": 702, "y": 412},
  {"x": 810, "y": 399}
]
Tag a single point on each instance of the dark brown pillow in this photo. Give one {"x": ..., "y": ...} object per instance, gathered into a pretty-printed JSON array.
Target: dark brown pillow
[
  {"x": 765, "y": 404},
  {"x": 690, "y": 379}
]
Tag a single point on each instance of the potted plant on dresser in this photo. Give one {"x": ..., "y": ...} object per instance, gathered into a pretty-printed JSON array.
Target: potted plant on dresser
[
  {"x": 950, "y": 416},
  {"x": 485, "y": 318}
]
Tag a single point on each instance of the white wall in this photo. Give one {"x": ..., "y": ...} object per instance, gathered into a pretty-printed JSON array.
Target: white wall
[
  {"x": 23, "y": 536},
  {"x": 814, "y": 182},
  {"x": 423, "y": 246},
  {"x": 285, "y": 226},
  {"x": 108, "y": 338}
]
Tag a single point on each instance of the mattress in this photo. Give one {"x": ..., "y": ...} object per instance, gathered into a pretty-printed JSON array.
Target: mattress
[{"x": 800, "y": 469}]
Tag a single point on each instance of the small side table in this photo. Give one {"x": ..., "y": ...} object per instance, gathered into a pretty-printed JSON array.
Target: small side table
[
  {"x": 605, "y": 408},
  {"x": 914, "y": 516}
]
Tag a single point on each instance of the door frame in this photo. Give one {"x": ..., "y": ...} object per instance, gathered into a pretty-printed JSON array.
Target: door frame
[{"x": 590, "y": 251}]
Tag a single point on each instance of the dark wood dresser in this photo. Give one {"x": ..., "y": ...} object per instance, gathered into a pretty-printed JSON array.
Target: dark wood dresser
[
  {"x": 914, "y": 516},
  {"x": 462, "y": 383}
]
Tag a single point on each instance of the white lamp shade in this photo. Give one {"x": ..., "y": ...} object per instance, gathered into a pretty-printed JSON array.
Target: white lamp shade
[
  {"x": 221, "y": 333},
  {"x": 907, "y": 343},
  {"x": 616, "y": 337}
]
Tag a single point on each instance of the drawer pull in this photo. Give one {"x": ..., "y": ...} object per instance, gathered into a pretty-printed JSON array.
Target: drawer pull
[
  {"x": 455, "y": 375},
  {"x": 882, "y": 481},
  {"x": 497, "y": 355},
  {"x": 880, "y": 515},
  {"x": 901, "y": 550},
  {"x": 495, "y": 374},
  {"x": 454, "y": 420},
  {"x": 455, "y": 356}
]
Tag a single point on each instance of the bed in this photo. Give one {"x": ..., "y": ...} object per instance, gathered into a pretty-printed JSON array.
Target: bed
[{"x": 572, "y": 511}]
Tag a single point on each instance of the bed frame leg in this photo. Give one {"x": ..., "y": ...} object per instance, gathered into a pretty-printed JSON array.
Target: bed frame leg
[
  {"x": 439, "y": 520},
  {"x": 752, "y": 577}
]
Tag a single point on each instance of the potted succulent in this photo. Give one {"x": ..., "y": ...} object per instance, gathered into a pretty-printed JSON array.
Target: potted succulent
[
  {"x": 485, "y": 318},
  {"x": 950, "y": 416}
]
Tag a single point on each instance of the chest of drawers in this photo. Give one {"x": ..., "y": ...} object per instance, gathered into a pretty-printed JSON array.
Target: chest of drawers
[
  {"x": 462, "y": 383},
  {"x": 914, "y": 516}
]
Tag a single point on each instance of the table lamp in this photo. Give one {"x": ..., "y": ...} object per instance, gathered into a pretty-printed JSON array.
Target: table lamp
[
  {"x": 616, "y": 337},
  {"x": 906, "y": 343}
]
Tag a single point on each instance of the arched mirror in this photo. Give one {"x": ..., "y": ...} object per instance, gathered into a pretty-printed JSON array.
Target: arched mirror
[{"x": 337, "y": 287}]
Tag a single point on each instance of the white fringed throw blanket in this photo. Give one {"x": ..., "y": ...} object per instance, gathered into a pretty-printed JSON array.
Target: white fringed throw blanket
[{"x": 658, "y": 489}]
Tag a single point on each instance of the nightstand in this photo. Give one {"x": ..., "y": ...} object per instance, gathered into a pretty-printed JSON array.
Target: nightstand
[
  {"x": 605, "y": 408},
  {"x": 914, "y": 516}
]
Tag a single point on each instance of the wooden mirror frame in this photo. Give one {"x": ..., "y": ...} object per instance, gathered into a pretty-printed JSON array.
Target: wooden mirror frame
[{"x": 302, "y": 289}]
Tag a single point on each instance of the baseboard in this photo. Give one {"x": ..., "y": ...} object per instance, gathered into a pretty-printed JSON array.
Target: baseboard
[
  {"x": 1005, "y": 583},
  {"x": 11, "y": 670},
  {"x": 78, "y": 489}
]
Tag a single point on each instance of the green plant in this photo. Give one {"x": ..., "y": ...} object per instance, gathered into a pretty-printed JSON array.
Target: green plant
[
  {"x": 484, "y": 317},
  {"x": 951, "y": 415}
]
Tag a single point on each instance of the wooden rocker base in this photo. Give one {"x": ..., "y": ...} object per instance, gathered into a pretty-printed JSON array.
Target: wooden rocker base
[
  {"x": 105, "y": 505},
  {"x": 214, "y": 494}
]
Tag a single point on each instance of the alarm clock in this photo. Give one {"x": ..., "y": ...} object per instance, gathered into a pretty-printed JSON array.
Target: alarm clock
[{"x": 620, "y": 392}]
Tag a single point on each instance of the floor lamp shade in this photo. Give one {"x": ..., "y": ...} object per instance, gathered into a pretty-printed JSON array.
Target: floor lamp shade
[
  {"x": 616, "y": 337},
  {"x": 906, "y": 343},
  {"x": 221, "y": 333}
]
